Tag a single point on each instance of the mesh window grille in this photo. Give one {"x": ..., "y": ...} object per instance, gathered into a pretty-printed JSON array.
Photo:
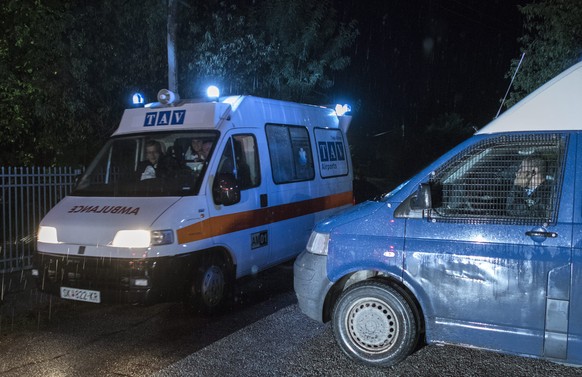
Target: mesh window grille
[{"x": 509, "y": 179}]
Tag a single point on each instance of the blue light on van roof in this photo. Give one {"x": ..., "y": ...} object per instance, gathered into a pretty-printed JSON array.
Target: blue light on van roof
[
  {"x": 213, "y": 92},
  {"x": 342, "y": 109},
  {"x": 138, "y": 99}
]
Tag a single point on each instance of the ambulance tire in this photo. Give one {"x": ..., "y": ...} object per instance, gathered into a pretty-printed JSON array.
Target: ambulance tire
[
  {"x": 211, "y": 285},
  {"x": 374, "y": 324}
]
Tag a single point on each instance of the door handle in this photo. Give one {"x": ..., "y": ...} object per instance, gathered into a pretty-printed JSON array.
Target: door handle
[{"x": 541, "y": 233}]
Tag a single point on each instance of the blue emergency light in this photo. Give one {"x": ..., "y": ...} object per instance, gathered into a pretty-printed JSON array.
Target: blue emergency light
[
  {"x": 138, "y": 99},
  {"x": 342, "y": 109},
  {"x": 212, "y": 92}
]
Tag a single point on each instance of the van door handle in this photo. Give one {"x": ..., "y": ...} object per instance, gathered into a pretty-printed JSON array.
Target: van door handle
[
  {"x": 541, "y": 233},
  {"x": 264, "y": 200}
]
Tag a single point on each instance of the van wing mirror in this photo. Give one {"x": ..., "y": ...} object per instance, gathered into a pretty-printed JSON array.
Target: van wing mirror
[
  {"x": 225, "y": 189},
  {"x": 426, "y": 197},
  {"x": 422, "y": 198}
]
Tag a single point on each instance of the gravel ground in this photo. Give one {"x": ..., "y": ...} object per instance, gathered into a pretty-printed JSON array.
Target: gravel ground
[{"x": 289, "y": 344}]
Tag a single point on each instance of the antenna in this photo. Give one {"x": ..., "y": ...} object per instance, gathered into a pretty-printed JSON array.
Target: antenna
[{"x": 513, "y": 78}]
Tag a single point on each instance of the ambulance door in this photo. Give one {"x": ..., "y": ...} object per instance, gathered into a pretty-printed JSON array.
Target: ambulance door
[
  {"x": 293, "y": 191},
  {"x": 241, "y": 227}
]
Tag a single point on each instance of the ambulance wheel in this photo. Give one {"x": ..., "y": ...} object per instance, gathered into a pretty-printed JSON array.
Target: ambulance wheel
[
  {"x": 374, "y": 324},
  {"x": 211, "y": 285}
]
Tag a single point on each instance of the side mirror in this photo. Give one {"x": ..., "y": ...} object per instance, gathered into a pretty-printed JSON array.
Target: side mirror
[
  {"x": 422, "y": 199},
  {"x": 225, "y": 189}
]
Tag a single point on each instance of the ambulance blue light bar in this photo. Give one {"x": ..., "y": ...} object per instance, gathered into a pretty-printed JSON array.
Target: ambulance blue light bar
[
  {"x": 342, "y": 109},
  {"x": 138, "y": 99},
  {"x": 212, "y": 92}
]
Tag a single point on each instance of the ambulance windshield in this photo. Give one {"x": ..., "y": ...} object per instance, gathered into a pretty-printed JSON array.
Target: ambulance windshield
[{"x": 153, "y": 164}]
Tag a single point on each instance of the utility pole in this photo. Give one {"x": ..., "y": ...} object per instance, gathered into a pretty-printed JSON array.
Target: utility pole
[{"x": 172, "y": 60}]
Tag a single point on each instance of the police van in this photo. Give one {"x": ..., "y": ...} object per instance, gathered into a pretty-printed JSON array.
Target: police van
[
  {"x": 483, "y": 248},
  {"x": 188, "y": 196}
]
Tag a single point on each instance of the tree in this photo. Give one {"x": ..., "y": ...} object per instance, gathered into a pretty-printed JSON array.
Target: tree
[
  {"x": 278, "y": 48},
  {"x": 552, "y": 43},
  {"x": 66, "y": 69}
]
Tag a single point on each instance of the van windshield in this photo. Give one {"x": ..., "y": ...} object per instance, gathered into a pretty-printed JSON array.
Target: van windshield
[{"x": 153, "y": 164}]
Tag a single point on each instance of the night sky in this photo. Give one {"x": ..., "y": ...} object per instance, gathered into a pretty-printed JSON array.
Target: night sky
[{"x": 417, "y": 59}]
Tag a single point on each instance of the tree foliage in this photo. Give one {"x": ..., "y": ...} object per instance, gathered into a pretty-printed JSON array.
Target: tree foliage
[
  {"x": 552, "y": 42},
  {"x": 65, "y": 69},
  {"x": 68, "y": 68},
  {"x": 277, "y": 48}
]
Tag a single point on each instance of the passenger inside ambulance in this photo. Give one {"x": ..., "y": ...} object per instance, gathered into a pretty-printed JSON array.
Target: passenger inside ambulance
[
  {"x": 157, "y": 163},
  {"x": 148, "y": 168}
]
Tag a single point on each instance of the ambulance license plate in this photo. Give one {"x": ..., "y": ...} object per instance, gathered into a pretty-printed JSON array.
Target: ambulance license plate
[{"x": 84, "y": 295}]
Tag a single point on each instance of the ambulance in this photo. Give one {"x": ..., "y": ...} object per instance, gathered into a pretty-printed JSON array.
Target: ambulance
[{"x": 186, "y": 197}]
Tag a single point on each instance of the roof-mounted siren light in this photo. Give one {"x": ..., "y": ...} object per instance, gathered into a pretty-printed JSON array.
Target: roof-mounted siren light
[
  {"x": 212, "y": 92},
  {"x": 137, "y": 99},
  {"x": 167, "y": 97},
  {"x": 344, "y": 114}
]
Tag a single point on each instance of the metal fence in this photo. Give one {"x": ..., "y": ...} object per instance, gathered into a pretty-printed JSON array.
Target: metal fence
[{"x": 27, "y": 194}]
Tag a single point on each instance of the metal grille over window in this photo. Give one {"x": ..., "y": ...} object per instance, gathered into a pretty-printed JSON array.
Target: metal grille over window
[{"x": 511, "y": 179}]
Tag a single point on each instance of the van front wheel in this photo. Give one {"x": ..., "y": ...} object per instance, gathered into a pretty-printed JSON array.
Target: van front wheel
[
  {"x": 374, "y": 324},
  {"x": 210, "y": 285}
]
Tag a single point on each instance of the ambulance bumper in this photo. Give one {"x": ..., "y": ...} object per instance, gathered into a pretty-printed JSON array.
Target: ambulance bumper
[{"x": 136, "y": 281}]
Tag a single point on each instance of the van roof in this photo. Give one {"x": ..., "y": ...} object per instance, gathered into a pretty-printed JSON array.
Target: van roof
[
  {"x": 248, "y": 111},
  {"x": 556, "y": 105}
]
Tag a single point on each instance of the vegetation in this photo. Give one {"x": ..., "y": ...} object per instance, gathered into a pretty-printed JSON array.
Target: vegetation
[
  {"x": 552, "y": 42},
  {"x": 68, "y": 68}
]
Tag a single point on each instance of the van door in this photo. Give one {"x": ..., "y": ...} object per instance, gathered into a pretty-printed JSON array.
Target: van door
[
  {"x": 242, "y": 227},
  {"x": 491, "y": 260},
  {"x": 575, "y": 317}
]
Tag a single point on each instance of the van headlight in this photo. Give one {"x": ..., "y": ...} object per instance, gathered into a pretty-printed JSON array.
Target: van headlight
[
  {"x": 142, "y": 238},
  {"x": 317, "y": 243},
  {"x": 47, "y": 234}
]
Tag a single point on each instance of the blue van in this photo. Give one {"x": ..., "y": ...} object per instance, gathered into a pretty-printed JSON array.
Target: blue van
[{"x": 483, "y": 248}]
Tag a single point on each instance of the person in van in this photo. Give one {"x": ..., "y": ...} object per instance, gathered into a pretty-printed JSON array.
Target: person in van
[{"x": 531, "y": 190}]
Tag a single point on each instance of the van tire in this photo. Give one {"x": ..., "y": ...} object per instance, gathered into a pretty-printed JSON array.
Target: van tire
[
  {"x": 374, "y": 324},
  {"x": 211, "y": 285}
]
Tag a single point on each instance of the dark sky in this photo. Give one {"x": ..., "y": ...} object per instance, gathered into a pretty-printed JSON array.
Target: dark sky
[{"x": 416, "y": 59}]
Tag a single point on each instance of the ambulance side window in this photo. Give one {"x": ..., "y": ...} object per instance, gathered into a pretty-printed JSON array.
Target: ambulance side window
[
  {"x": 290, "y": 152},
  {"x": 241, "y": 159}
]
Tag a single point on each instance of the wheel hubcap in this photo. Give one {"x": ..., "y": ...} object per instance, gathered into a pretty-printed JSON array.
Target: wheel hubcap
[
  {"x": 372, "y": 325},
  {"x": 212, "y": 286}
]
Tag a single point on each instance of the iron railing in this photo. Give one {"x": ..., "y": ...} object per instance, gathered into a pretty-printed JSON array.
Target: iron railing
[{"x": 26, "y": 195}]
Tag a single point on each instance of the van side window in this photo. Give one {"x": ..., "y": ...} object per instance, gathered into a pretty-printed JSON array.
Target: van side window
[
  {"x": 290, "y": 152},
  {"x": 241, "y": 159},
  {"x": 508, "y": 179}
]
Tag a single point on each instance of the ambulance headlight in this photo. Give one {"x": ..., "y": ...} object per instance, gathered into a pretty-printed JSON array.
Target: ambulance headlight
[
  {"x": 131, "y": 238},
  {"x": 142, "y": 238},
  {"x": 162, "y": 237},
  {"x": 47, "y": 234},
  {"x": 317, "y": 243}
]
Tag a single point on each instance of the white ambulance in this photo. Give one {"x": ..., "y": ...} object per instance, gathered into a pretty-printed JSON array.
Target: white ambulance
[{"x": 187, "y": 197}]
